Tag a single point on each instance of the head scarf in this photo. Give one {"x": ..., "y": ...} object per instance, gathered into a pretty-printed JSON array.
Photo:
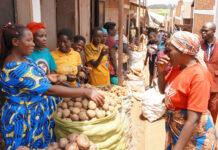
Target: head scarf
[
  {"x": 35, "y": 27},
  {"x": 188, "y": 43},
  {"x": 104, "y": 30}
]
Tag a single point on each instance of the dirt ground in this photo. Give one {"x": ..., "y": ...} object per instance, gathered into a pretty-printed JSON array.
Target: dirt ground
[{"x": 146, "y": 135}]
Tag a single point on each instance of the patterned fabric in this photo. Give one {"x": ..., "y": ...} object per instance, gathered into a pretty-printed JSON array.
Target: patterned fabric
[
  {"x": 26, "y": 116},
  {"x": 186, "y": 42},
  {"x": 204, "y": 135}
]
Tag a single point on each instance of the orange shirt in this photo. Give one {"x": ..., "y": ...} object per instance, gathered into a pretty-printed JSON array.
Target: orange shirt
[{"x": 188, "y": 88}]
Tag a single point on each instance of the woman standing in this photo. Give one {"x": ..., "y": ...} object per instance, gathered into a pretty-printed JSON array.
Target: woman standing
[
  {"x": 151, "y": 54},
  {"x": 67, "y": 59},
  {"x": 187, "y": 89},
  {"x": 41, "y": 55},
  {"x": 112, "y": 44},
  {"x": 96, "y": 57},
  {"x": 26, "y": 115}
]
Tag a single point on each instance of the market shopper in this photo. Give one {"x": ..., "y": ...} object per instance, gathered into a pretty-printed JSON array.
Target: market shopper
[
  {"x": 41, "y": 55},
  {"x": 210, "y": 46},
  {"x": 151, "y": 54},
  {"x": 97, "y": 59},
  {"x": 79, "y": 43},
  {"x": 68, "y": 60},
  {"x": 187, "y": 89},
  {"x": 26, "y": 116},
  {"x": 113, "y": 47}
]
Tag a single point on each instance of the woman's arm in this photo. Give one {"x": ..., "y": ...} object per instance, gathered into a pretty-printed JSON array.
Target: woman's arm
[
  {"x": 188, "y": 129},
  {"x": 112, "y": 54},
  {"x": 61, "y": 91},
  {"x": 98, "y": 61},
  {"x": 162, "y": 64},
  {"x": 146, "y": 59}
]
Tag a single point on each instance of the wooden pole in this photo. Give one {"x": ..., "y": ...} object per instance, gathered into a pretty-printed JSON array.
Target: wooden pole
[
  {"x": 120, "y": 51},
  {"x": 139, "y": 19},
  {"x": 144, "y": 10}
]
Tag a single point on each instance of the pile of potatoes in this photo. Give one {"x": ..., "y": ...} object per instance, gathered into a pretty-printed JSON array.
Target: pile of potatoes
[
  {"x": 83, "y": 109},
  {"x": 72, "y": 142},
  {"x": 119, "y": 91}
]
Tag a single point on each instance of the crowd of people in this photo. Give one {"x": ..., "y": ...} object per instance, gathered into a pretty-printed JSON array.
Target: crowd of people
[{"x": 32, "y": 86}]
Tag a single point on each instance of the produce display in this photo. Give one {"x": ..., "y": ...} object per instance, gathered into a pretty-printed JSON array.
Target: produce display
[
  {"x": 136, "y": 71},
  {"x": 117, "y": 90},
  {"x": 83, "y": 109},
  {"x": 72, "y": 142}
]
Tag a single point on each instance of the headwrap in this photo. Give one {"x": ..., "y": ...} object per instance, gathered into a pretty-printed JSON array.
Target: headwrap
[
  {"x": 104, "y": 30},
  {"x": 188, "y": 43},
  {"x": 35, "y": 27}
]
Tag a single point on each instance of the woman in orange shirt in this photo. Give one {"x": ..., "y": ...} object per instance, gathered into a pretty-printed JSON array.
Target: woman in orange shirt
[{"x": 187, "y": 89}]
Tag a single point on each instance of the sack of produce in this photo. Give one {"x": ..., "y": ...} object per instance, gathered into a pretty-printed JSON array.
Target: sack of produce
[
  {"x": 136, "y": 84},
  {"x": 152, "y": 105},
  {"x": 136, "y": 59},
  {"x": 102, "y": 125}
]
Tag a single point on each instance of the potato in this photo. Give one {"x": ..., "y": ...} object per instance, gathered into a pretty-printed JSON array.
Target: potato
[
  {"x": 92, "y": 146},
  {"x": 70, "y": 103},
  {"x": 92, "y": 105},
  {"x": 113, "y": 103},
  {"x": 83, "y": 110},
  {"x": 91, "y": 113},
  {"x": 111, "y": 108},
  {"x": 83, "y": 116},
  {"x": 106, "y": 107},
  {"x": 83, "y": 142},
  {"x": 74, "y": 117},
  {"x": 108, "y": 113},
  {"x": 72, "y": 137},
  {"x": 22, "y": 148},
  {"x": 67, "y": 100},
  {"x": 64, "y": 105},
  {"x": 54, "y": 145},
  {"x": 49, "y": 148},
  {"x": 78, "y": 99},
  {"x": 72, "y": 146},
  {"x": 59, "y": 115},
  {"x": 66, "y": 113},
  {"x": 63, "y": 142},
  {"x": 85, "y": 103},
  {"x": 78, "y": 104},
  {"x": 62, "y": 78},
  {"x": 59, "y": 110},
  {"x": 75, "y": 110},
  {"x": 100, "y": 114},
  {"x": 60, "y": 104}
]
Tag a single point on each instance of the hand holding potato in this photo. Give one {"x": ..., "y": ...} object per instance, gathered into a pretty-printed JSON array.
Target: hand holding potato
[{"x": 95, "y": 96}]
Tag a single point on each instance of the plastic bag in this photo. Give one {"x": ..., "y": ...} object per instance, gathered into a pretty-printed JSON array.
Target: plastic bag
[
  {"x": 136, "y": 59},
  {"x": 136, "y": 85},
  {"x": 152, "y": 105},
  {"x": 107, "y": 133}
]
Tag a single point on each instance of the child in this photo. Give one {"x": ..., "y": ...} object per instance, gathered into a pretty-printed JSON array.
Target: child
[
  {"x": 96, "y": 57},
  {"x": 68, "y": 60},
  {"x": 41, "y": 54},
  {"x": 78, "y": 45}
]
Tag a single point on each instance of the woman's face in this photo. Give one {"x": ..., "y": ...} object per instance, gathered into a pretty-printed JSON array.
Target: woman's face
[
  {"x": 113, "y": 31},
  {"x": 40, "y": 39},
  {"x": 176, "y": 57},
  {"x": 105, "y": 35},
  {"x": 151, "y": 38},
  {"x": 79, "y": 46},
  {"x": 64, "y": 43},
  {"x": 97, "y": 37},
  {"x": 25, "y": 44},
  {"x": 165, "y": 37}
]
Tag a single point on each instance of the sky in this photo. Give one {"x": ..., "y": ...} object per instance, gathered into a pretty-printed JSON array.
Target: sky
[{"x": 151, "y": 2}]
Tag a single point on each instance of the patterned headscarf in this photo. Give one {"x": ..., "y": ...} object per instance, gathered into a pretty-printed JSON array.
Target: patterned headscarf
[
  {"x": 186, "y": 42},
  {"x": 35, "y": 27}
]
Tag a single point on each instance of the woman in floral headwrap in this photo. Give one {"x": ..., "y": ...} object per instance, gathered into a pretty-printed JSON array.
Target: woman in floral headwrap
[{"x": 187, "y": 89}]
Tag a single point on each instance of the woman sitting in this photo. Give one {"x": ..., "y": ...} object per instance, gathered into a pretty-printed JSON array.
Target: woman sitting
[
  {"x": 187, "y": 89},
  {"x": 26, "y": 115}
]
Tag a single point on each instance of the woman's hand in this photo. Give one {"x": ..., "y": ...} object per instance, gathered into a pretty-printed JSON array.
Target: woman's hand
[
  {"x": 162, "y": 64},
  {"x": 95, "y": 96},
  {"x": 53, "y": 78}
]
